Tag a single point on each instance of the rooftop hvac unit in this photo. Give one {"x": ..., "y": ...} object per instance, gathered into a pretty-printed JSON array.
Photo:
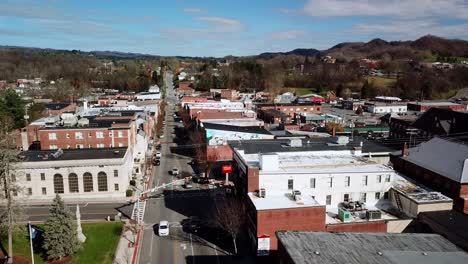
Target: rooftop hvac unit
[
  {"x": 295, "y": 143},
  {"x": 373, "y": 214},
  {"x": 262, "y": 193},
  {"x": 57, "y": 154}
]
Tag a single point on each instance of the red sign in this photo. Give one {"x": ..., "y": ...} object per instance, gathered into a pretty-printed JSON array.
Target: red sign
[{"x": 226, "y": 169}]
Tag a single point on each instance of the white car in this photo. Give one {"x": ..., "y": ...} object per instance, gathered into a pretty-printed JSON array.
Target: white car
[
  {"x": 158, "y": 154},
  {"x": 175, "y": 171},
  {"x": 163, "y": 228}
]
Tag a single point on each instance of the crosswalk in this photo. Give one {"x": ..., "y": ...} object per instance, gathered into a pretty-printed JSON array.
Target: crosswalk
[{"x": 138, "y": 211}]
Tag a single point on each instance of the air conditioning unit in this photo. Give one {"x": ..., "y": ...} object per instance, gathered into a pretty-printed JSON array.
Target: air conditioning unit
[
  {"x": 262, "y": 193},
  {"x": 373, "y": 214}
]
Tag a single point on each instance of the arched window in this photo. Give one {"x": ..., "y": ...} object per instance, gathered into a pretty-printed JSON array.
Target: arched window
[
  {"x": 102, "y": 181},
  {"x": 73, "y": 183},
  {"x": 87, "y": 182},
  {"x": 58, "y": 183}
]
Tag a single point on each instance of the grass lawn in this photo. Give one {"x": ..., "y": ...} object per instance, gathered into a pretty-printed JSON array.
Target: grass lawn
[
  {"x": 381, "y": 81},
  {"x": 100, "y": 245}
]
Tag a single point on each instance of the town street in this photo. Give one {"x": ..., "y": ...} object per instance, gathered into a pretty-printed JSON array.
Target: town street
[{"x": 175, "y": 204}]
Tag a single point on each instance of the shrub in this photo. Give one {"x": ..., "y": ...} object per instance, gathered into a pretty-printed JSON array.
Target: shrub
[{"x": 129, "y": 193}]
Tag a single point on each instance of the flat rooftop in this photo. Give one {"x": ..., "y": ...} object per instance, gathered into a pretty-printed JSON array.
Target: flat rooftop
[
  {"x": 234, "y": 128},
  {"x": 309, "y": 144},
  {"x": 235, "y": 121},
  {"x": 315, "y": 163},
  {"x": 74, "y": 154},
  {"x": 434, "y": 103},
  {"x": 418, "y": 193},
  {"x": 357, "y": 248},
  {"x": 358, "y": 216},
  {"x": 277, "y": 200}
]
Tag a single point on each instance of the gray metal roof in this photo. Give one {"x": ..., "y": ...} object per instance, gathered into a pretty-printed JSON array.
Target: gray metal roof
[
  {"x": 382, "y": 248},
  {"x": 442, "y": 156}
]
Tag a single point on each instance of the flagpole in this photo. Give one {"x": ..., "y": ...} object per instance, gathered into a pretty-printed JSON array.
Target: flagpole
[{"x": 31, "y": 243}]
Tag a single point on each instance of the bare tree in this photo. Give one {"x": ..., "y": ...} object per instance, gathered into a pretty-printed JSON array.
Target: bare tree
[
  {"x": 11, "y": 216},
  {"x": 229, "y": 216}
]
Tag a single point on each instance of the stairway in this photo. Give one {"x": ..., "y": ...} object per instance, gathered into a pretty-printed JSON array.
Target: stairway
[{"x": 138, "y": 211}]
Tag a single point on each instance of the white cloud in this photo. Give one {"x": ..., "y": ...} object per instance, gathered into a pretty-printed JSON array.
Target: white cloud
[
  {"x": 193, "y": 10},
  {"x": 222, "y": 24},
  {"x": 388, "y": 8},
  {"x": 410, "y": 29},
  {"x": 290, "y": 34}
]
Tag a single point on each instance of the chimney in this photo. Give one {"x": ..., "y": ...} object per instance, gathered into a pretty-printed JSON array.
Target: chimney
[
  {"x": 333, "y": 132},
  {"x": 404, "y": 151}
]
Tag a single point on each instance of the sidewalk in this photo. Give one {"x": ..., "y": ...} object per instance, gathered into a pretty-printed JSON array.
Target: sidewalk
[{"x": 127, "y": 247}]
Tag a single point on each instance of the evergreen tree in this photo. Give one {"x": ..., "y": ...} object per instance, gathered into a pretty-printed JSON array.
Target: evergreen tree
[
  {"x": 60, "y": 239},
  {"x": 365, "y": 90}
]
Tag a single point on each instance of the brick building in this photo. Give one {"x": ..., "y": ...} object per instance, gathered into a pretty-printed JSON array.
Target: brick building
[
  {"x": 59, "y": 108},
  {"x": 326, "y": 175},
  {"x": 291, "y": 109},
  {"x": 70, "y": 132},
  {"x": 424, "y": 106},
  {"x": 440, "y": 164},
  {"x": 229, "y": 94},
  {"x": 273, "y": 116}
]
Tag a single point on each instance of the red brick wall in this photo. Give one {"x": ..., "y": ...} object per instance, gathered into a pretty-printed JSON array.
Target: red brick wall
[
  {"x": 217, "y": 153},
  {"x": 376, "y": 226},
  {"x": 62, "y": 141},
  {"x": 304, "y": 219},
  {"x": 317, "y": 109},
  {"x": 252, "y": 179}
]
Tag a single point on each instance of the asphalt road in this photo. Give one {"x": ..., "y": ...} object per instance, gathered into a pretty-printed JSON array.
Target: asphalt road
[
  {"x": 89, "y": 211},
  {"x": 175, "y": 204}
]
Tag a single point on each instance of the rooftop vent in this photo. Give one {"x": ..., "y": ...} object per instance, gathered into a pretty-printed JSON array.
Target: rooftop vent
[
  {"x": 57, "y": 154},
  {"x": 341, "y": 140}
]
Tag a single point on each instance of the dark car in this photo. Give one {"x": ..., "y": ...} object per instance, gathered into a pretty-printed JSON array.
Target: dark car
[
  {"x": 158, "y": 147},
  {"x": 201, "y": 180},
  {"x": 156, "y": 162}
]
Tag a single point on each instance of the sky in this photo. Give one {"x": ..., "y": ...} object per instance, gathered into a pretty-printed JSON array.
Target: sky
[{"x": 223, "y": 27}]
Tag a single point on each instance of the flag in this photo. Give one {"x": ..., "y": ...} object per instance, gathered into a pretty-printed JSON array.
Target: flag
[{"x": 35, "y": 231}]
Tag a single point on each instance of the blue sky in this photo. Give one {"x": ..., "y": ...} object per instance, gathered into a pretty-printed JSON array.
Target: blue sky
[{"x": 219, "y": 28}]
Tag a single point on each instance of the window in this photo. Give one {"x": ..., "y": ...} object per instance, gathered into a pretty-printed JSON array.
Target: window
[
  {"x": 120, "y": 134},
  {"x": 68, "y": 147},
  {"x": 100, "y": 145},
  {"x": 379, "y": 178},
  {"x": 28, "y": 177},
  {"x": 53, "y": 147},
  {"x": 87, "y": 182},
  {"x": 78, "y": 135},
  {"x": 116, "y": 173},
  {"x": 90, "y": 134},
  {"x": 52, "y": 136},
  {"x": 290, "y": 184},
  {"x": 328, "y": 199},
  {"x": 330, "y": 182},
  {"x": 385, "y": 195},
  {"x": 110, "y": 134},
  {"x": 346, "y": 197},
  {"x": 44, "y": 191},
  {"x": 58, "y": 183},
  {"x": 73, "y": 183},
  {"x": 99, "y": 134},
  {"x": 121, "y": 145},
  {"x": 79, "y": 146},
  {"x": 377, "y": 196},
  {"x": 29, "y": 191},
  {"x": 311, "y": 109},
  {"x": 388, "y": 177},
  {"x": 312, "y": 182},
  {"x": 102, "y": 181},
  {"x": 68, "y": 135},
  {"x": 363, "y": 197},
  {"x": 116, "y": 186},
  {"x": 42, "y": 176},
  {"x": 364, "y": 180},
  {"x": 347, "y": 181}
]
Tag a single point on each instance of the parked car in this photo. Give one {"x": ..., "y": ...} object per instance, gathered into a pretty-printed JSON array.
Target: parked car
[
  {"x": 163, "y": 228},
  {"x": 158, "y": 154},
  {"x": 188, "y": 185},
  {"x": 175, "y": 171},
  {"x": 158, "y": 147},
  {"x": 157, "y": 162}
]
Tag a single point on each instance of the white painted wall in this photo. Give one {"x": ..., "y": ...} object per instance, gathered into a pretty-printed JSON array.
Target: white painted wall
[
  {"x": 387, "y": 109},
  {"x": 50, "y": 168},
  {"x": 279, "y": 183}
]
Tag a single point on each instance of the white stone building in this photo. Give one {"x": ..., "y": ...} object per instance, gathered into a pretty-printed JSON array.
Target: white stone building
[{"x": 79, "y": 174}]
